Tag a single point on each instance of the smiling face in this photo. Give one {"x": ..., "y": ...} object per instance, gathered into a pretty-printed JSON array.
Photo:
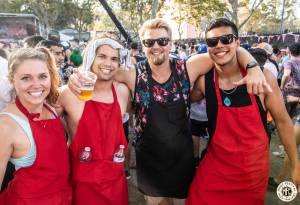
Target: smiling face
[
  {"x": 106, "y": 62},
  {"x": 32, "y": 82},
  {"x": 222, "y": 54},
  {"x": 156, "y": 54}
]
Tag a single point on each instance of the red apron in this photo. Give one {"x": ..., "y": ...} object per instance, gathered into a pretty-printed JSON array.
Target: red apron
[
  {"x": 47, "y": 181},
  {"x": 235, "y": 168},
  {"x": 100, "y": 181}
]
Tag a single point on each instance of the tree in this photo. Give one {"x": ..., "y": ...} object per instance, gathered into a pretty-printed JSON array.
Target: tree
[
  {"x": 46, "y": 10},
  {"x": 83, "y": 15},
  {"x": 11, "y": 6},
  {"x": 194, "y": 10},
  {"x": 56, "y": 14},
  {"x": 133, "y": 13},
  {"x": 266, "y": 18}
]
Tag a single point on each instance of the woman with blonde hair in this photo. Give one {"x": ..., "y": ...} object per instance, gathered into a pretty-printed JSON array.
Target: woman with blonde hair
[{"x": 32, "y": 136}]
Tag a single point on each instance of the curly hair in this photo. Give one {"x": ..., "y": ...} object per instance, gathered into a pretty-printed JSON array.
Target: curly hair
[{"x": 42, "y": 54}]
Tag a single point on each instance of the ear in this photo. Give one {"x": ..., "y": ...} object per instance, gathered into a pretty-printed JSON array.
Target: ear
[{"x": 238, "y": 42}]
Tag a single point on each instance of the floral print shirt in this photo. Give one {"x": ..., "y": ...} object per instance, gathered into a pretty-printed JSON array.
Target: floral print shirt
[{"x": 162, "y": 93}]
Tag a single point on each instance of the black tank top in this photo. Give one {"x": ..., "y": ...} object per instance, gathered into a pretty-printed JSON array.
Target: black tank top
[{"x": 239, "y": 98}]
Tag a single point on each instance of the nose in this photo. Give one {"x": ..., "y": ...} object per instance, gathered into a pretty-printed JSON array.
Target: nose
[
  {"x": 219, "y": 44},
  {"x": 155, "y": 45},
  {"x": 36, "y": 82},
  {"x": 107, "y": 62}
]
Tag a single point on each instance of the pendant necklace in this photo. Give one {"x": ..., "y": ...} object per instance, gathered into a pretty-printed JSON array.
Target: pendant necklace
[{"x": 227, "y": 101}]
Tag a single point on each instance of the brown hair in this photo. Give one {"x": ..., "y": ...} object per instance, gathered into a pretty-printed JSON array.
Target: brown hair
[
  {"x": 42, "y": 54},
  {"x": 155, "y": 24}
]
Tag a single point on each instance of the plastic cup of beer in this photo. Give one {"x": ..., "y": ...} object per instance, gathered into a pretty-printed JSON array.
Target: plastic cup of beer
[{"x": 87, "y": 88}]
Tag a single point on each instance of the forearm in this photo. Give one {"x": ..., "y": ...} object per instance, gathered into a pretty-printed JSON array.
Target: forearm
[
  {"x": 244, "y": 57},
  {"x": 119, "y": 76},
  {"x": 283, "y": 81},
  {"x": 287, "y": 136}
]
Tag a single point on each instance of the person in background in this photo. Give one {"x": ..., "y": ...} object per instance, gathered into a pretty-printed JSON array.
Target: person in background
[
  {"x": 135, "y": 55},
  {"x": 193, "y": 50},
  {"x": 4, "y": 84},
  {"x": 76, "y": 58},
  {"x": 5, "y": 98},
  {"x": 182, "y": 52},
  {"x": 290, "y": 83},
  {"x": 32, "y": 41},
  {"x": 64, "y": 69},
  {"x": 32, "y": 136}
]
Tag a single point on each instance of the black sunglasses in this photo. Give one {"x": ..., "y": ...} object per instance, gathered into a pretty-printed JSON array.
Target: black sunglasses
[
  {"x": 225, "y": 39},
  {"x": 160, "y": 41}
]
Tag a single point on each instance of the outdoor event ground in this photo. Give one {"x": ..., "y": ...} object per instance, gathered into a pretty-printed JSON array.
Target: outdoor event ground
[{"x": 136, "y": 198}]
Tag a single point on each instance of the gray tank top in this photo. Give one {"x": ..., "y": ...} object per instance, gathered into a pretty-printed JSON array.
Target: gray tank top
[{"x": 30, "y": 157}]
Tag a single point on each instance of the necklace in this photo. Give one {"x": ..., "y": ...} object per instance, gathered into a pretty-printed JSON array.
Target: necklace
[{"x": 227, "y": 101}]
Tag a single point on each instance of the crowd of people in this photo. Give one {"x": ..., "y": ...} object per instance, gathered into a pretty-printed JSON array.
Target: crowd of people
[{"x": 65, "y": 148}]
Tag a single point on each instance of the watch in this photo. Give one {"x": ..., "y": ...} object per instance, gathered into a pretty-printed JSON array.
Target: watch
[{"x": 251, "y": 64}]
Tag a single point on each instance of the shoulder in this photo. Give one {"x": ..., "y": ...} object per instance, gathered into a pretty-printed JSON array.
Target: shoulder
[
  {"x": 121, "y": 89},
  {"x": 8, "y": 126},
  {"x": 67, "y": 99},
  {"x": 271, "y": 67},
  {"x": 65, "y": 92}
]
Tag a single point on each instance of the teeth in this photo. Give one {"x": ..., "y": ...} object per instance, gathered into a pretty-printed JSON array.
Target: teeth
[
  {"x": 36, "y": 94},
  {"x": 220, "y": 54},
  {"x": 106, "y": 71}
]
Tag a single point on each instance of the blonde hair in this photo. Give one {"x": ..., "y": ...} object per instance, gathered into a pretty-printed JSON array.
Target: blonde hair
[
  {"x": 155, "y": 24},
  {"x": 42, "y": 54}
]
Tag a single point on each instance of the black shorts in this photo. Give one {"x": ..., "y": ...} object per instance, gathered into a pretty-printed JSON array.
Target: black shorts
[
  {"x": 126, "y": 131},
  {"x": 198, "y": 128}
]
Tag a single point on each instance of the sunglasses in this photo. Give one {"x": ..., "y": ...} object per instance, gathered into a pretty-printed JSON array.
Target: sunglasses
[
  {"x": 160, "y": 41},
  {"x": 225, "y": 39}
]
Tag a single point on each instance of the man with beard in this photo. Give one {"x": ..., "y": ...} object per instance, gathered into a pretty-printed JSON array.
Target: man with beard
[
  {"x": 161, "y": 87},
  {"x": 235, "y": 168},
  {"x": 95, "y": 126}
]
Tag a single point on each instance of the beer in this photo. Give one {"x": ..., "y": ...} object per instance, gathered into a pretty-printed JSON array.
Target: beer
[
  {"x": 86, "y": 93},
  {"x": 86, "y": 90}
]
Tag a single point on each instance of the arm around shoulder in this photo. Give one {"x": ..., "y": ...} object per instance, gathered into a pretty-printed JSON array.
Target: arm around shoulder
[
  {"x": 198, "y": 65},
  {"x": 127, "y": 77}
]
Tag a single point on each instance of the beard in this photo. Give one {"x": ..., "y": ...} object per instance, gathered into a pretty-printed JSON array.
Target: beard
[{"x": 157, "y": 60}]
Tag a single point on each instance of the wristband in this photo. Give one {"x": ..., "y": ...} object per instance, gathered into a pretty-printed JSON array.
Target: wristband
[{"x": 251, "y": 64}]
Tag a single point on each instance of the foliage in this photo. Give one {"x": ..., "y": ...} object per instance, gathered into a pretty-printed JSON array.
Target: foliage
[
  {"x": 196, "y": 9},
  {"x": 133, "y": 13},
  {"x": 267, "y": 17},
  {"x": 55, "y": 14}
]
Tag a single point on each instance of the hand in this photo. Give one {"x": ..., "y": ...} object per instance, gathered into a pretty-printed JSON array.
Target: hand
[
  {"x": 255, "y": 81},
  {"x": 292, "y": 98},
  {"x": 75, "y": 81},
  {"x": 296, "y": 176}
]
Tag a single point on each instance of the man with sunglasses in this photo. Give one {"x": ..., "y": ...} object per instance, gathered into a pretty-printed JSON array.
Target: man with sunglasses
[
  {"x": 235, "y": 168},
  {"x": 161, "y": 86}
]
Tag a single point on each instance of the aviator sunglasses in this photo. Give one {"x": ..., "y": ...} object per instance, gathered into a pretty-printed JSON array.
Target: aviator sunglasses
[
  {"x": 225, "y": 39},
  {"x": 160, "y": 41}
]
